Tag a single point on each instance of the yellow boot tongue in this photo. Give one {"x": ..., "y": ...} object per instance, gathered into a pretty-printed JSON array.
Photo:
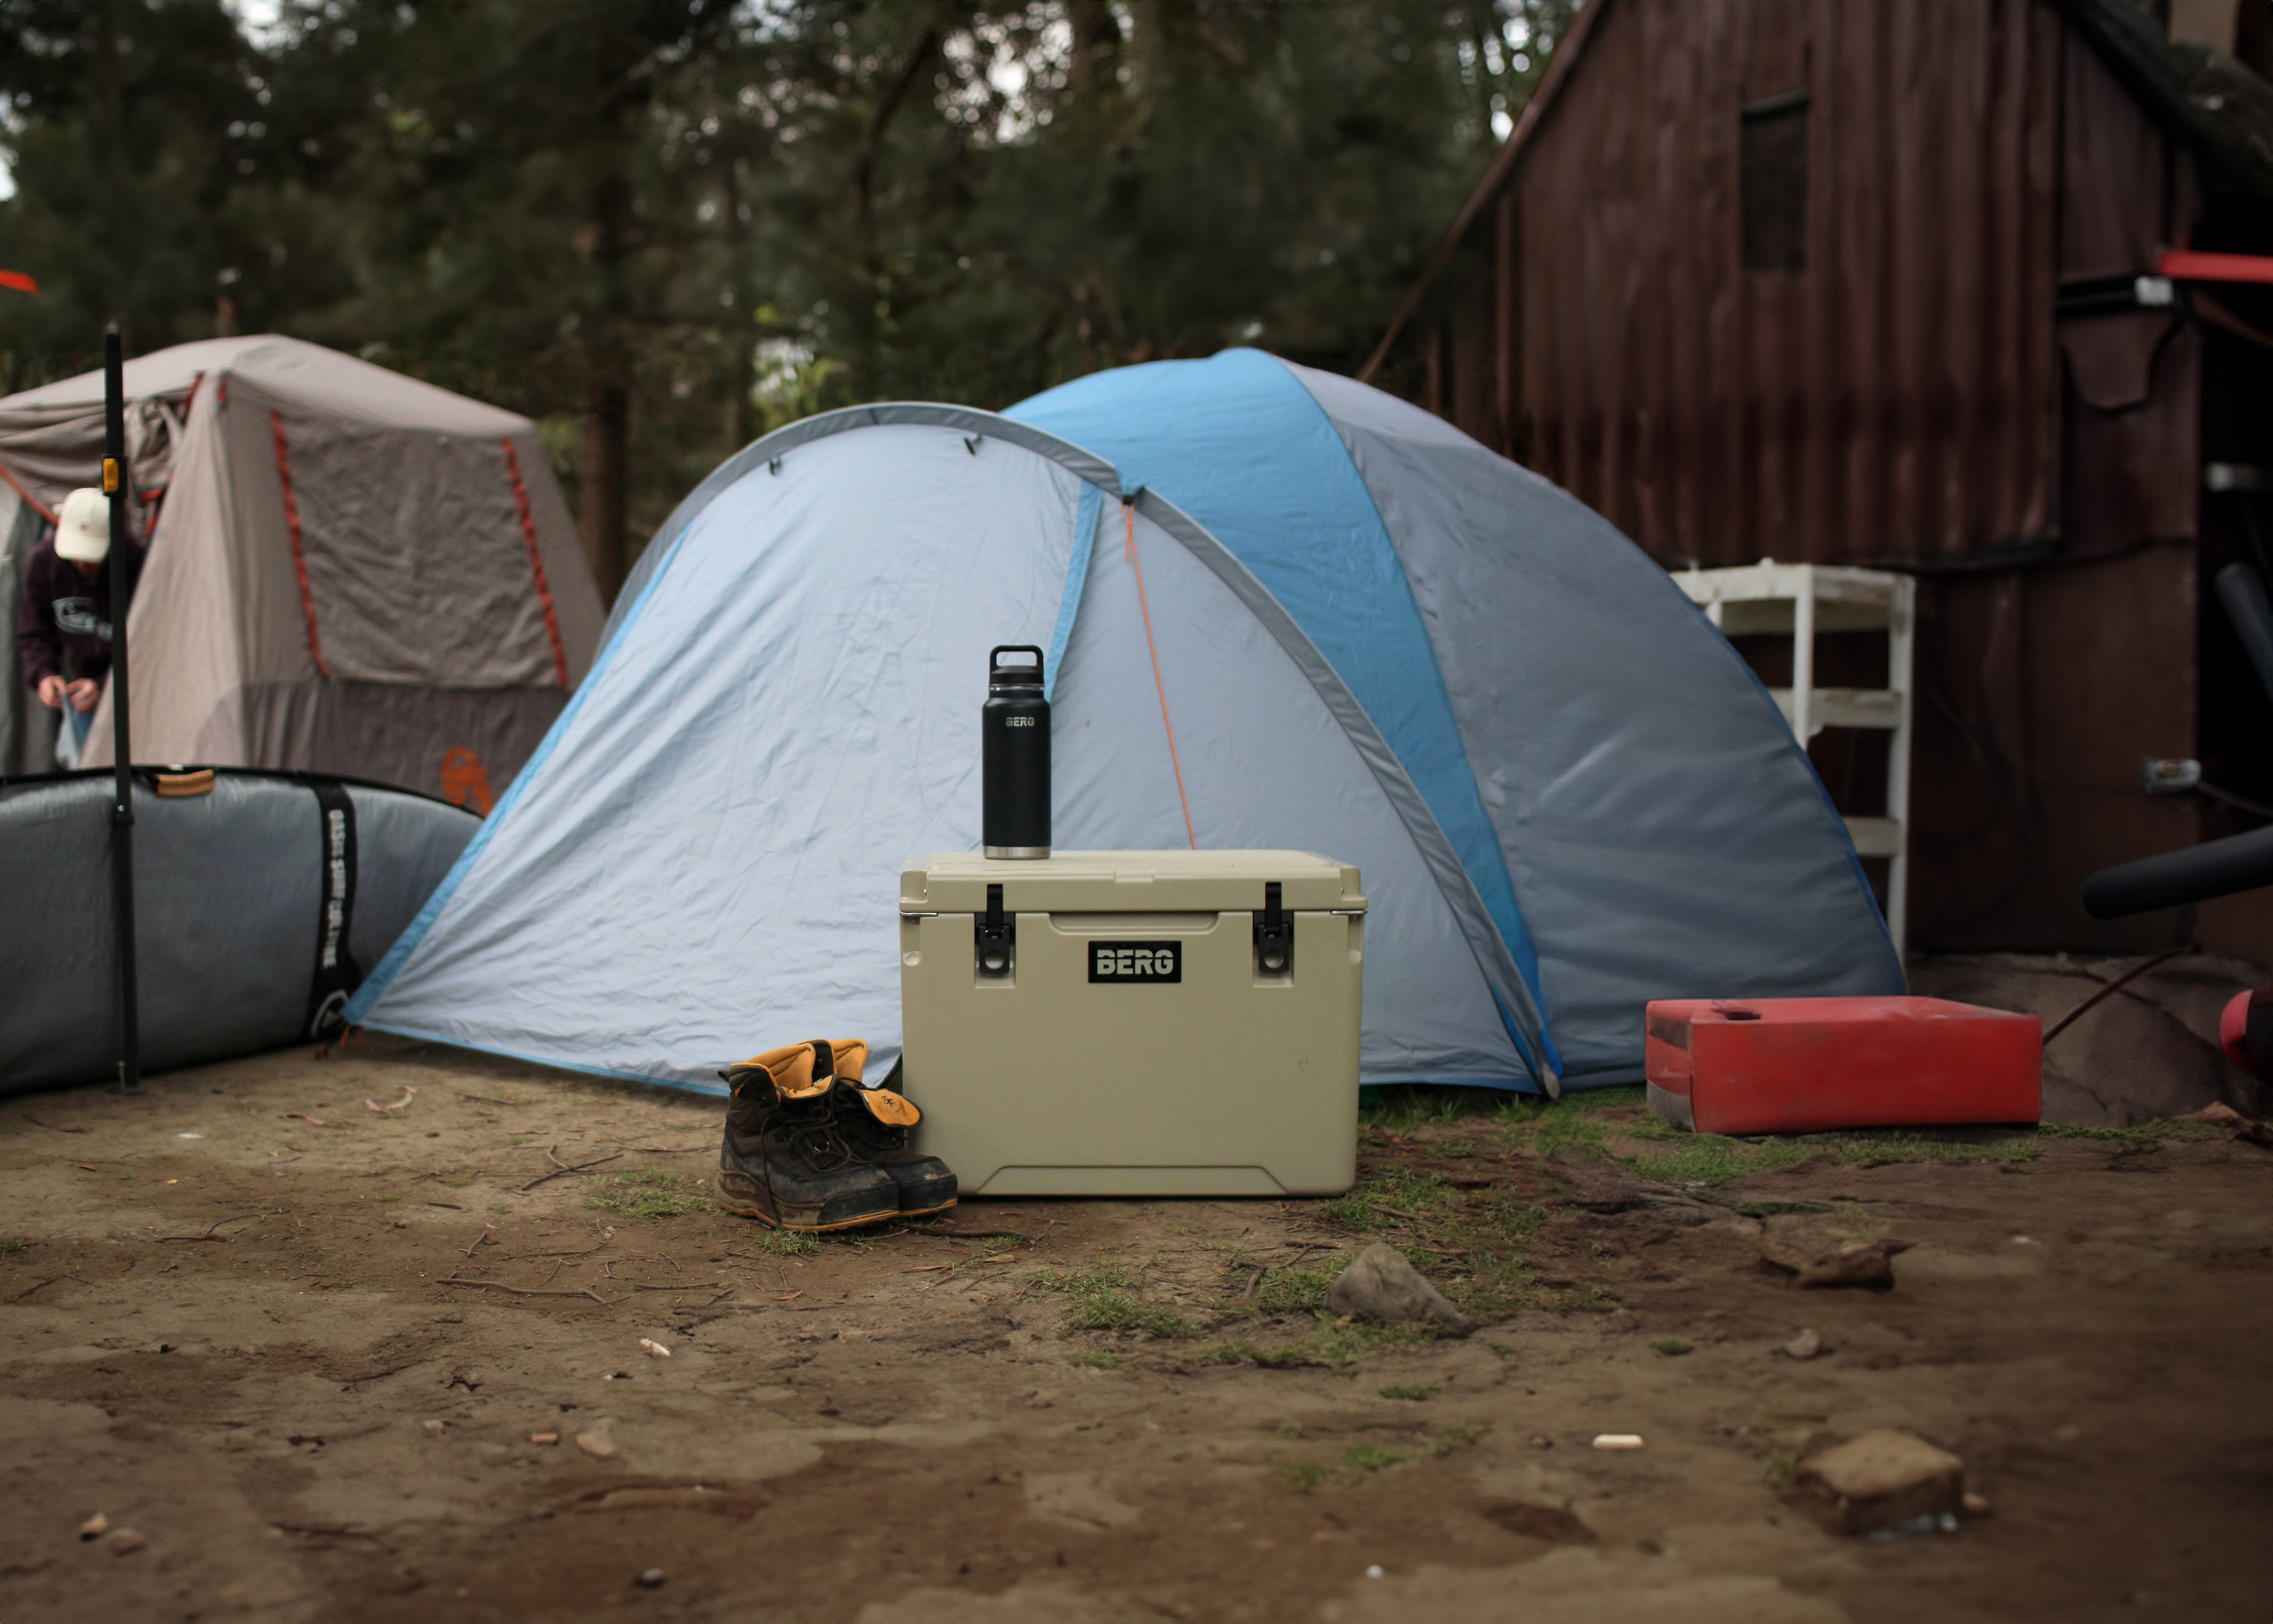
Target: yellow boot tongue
[{"x": 890, "y": 1108}]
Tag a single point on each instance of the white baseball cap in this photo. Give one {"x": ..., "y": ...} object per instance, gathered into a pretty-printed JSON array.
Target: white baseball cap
[{"x": 83, "y": 528}]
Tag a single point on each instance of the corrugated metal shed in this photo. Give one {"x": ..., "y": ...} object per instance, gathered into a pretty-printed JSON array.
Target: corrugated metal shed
[{"x": 1849, "y": 281}]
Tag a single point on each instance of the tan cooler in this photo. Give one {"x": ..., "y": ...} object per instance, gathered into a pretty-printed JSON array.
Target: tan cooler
[{"x": 1135, "y": 1023}]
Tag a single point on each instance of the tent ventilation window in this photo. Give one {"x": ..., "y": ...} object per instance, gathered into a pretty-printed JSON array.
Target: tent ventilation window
[{"x": 1772, "y": 182}]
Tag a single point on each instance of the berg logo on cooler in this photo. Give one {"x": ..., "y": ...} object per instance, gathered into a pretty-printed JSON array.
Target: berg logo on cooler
[{"x": 1136, "y": 961}]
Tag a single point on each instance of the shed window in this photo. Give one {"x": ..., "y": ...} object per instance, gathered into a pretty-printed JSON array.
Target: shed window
[{"x": 1772, "y": 182}]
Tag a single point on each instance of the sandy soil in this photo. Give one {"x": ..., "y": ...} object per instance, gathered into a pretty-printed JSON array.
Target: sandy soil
[{"x": 246, "y": 1335}]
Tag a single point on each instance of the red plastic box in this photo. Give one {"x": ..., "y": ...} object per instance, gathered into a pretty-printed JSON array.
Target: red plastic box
[{"x": 1794, "y": 1065}]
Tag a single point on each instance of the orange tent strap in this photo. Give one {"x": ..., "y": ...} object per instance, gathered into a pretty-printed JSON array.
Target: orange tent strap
[
  {"x": 1129, "y": 508},
  {"x": 536, "y": 562},
  {"x": 299, "y": 556}
]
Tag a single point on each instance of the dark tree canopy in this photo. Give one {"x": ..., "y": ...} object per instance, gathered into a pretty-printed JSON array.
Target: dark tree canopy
[{"x": 660, "y": 226}]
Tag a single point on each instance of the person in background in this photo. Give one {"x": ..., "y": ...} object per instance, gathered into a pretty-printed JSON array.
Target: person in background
[{"x": 63, "y": 625}]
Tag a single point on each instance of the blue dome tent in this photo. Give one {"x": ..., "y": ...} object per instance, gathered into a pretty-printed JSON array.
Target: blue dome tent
[{"x": 1282, "y": 610}]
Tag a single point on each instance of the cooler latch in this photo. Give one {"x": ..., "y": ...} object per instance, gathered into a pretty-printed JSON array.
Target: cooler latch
[
  {"x": 1274, "y": 934},
  {"x": 998, "y": 936}
]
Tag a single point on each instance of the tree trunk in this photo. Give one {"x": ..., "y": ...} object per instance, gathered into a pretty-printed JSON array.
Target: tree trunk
[{"x": 607, "y": 457}]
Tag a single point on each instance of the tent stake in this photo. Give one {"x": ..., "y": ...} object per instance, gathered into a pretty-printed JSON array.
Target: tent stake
[{"x": 122, "y": 812}]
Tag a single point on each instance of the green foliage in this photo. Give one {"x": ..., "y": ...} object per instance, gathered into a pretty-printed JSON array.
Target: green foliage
[
  {"x": 1098, "y": 1358},
  {"x": 1879, "y": 1149},
  {"x": 1416, "y": 1395},
  {"x": 1305, "y": 1475},
  {"x": 1673, "y": 1347},
  {"x": 649, "y": 1192},
  {"x": 693, "y": 221},
  {"x": 1780, "y": 1467}
]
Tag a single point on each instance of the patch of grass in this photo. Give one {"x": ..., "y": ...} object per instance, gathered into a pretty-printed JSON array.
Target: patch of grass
[
  {"x": 786, "y": 1243},
  {"x": 1416, "y": 1395},
  {"x": 1459, "y": 1435},
  {"x": 649, "y": 1192},
  {"x": 1098, "y": 1358},
  {"x": 1673, "y": 1347},
  {"x": 1305, "y": 1475},
  {"x": 500, "y": 1207},
  {"x": 1376, "y": 1203},
  {"x": 1104, "y": 1298},
  {"x": 1712, "y": 1159},
  {"x": 1780, "y": 1467},
  {"x": 1292, "y": 1291},
  {"x": 2145, "y": 1133},
  {"x": 1373, "y": 1458},
  {"x": 1869, "y": 1150},
  {"x": 383, "y": 1199},
  {"x": 10, "y": 1248}
]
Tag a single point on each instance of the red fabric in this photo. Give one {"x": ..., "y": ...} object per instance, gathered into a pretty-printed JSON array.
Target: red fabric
[
  {"x": 2186, "y": 265},
  {"x": 536, "y": 563},
  {"x": 17, "y": 280},
  {"x": 299, "y": 558},
  {"x": 1799, "y": 1065}
]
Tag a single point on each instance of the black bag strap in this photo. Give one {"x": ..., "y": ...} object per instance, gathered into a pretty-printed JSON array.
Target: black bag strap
[{"x": 336, "y": 974}]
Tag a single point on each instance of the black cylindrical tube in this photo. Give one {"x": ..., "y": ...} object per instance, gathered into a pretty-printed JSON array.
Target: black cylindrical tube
[
  {"x": 2196, "y": 874},
  {"x": 2241, "y": 590},
  {"x": 1014, "y": 760},
  {"x": 116, "y": 486}
]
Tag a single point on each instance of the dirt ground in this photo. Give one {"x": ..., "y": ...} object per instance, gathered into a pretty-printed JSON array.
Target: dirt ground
[{"x": 261, "y": 1318}]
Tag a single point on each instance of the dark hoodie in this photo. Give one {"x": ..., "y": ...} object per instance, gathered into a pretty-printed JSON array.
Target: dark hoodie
[{"x": 63, "y": 625}]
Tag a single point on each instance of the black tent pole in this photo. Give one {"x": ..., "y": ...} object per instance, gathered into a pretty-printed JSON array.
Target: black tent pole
[{"x": 122, "y": 812}]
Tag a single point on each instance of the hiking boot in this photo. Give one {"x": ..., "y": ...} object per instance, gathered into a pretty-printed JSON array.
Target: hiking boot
[
  {"x": 783, "y": 1161},
  {"x": 875, "y": 1122}
]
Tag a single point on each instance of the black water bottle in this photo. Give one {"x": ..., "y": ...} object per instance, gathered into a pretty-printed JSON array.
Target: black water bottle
[{"x": 1014, "y": 772}]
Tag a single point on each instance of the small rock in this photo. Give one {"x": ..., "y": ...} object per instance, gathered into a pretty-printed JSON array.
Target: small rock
[
  {"x": 599, "y": 1446},
  {"x": 544, "y": 1438},
  {"x": 851, "y": 1333},
  {"x": 652, "y": 1579},
  {"x": 1806, "y": 1345},
  {"x": 1037, "y": 1400},
  {"x": 94, "y": 1527},
  {"x": 1540, "y": 1441},
  {"x": 653, "y": 1349},
  {"x": 1618, "y": 1440},
  {"x": 1880, "y": 1479},
  {"x": 1868, "y": 1265},
  {"x": 1975, "y": 1504},
  {"x": 1383, "y": 1285},
  {"x": 1373, "y": 1571},
  {"x": 124, "y": 1540},
  {"x": 435, "y": 1427}
]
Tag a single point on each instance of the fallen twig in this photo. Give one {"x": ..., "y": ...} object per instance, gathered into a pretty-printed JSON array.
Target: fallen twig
[
  {"x": 53, "y": 1127},
  {"x": 1253, "y": 1280},
  {"x": 478, "y": 1239},
  {"x": 44, "y": 1284},
  {"x": 487, "y": 1099},
  {"x": 408, "y": 1093},
  {"x": 561, "y": 1169},
  {"x": 209, "y": 1235},
  {"x": 453, "y": 1205},
  {"x": 1392, "y": 1212},
  {"x": 298, "y": 1117},
  {"x": 584, "y": 1251},
  {"x": 499, "y": 1285}
]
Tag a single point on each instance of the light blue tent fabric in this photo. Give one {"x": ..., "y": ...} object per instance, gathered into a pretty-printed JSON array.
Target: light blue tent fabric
[{"x": 1376, "y": 639}]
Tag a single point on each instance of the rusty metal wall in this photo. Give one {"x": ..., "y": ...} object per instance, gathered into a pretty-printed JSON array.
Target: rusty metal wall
[{"x": 1911, "y": 398}]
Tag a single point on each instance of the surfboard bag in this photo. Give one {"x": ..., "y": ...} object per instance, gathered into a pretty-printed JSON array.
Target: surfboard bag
[{"x": 261, "y": 901}]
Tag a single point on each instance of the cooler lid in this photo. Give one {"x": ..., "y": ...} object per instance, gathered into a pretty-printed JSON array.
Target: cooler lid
[{"x": 1128, "y": 883}]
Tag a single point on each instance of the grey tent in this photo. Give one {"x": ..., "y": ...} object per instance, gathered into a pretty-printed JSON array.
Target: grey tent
[
  {"x": 1282, "y": 610},
  {"x": 351, "y": 571}
]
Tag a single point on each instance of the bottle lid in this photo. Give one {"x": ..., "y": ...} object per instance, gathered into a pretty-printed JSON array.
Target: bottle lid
[{"x": 1016, "y": 676}]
